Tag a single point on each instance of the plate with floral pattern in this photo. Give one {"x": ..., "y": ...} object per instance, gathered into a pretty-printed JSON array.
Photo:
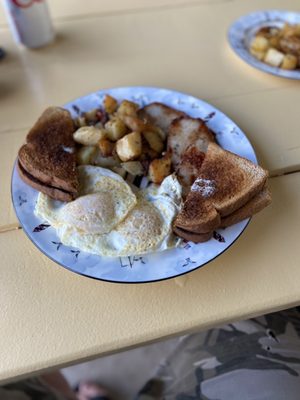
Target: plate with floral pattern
[
  {"x": 153, "y": 266},
  {"x": 243, "y": 30}
]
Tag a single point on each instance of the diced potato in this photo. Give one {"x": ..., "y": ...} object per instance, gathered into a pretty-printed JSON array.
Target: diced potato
[
  {"x": 297, "y": 30},
  {"x": 106, "y": 147},
  {"x": 86, "y": 154},
  {"x": 154, "y": 140},
  {"x": 259, "y": 43},
  {"x": 133, "y": 167},
  {"x": 115, "y": 129},
  {"x": 162, "y": 134},
  {"x": 88, "y": 135},
  {"x": 104, "y": 162},
  {"x": 133, "y": 123},
  {"x": 91, "y": 116},
  {"x": 80, "y": 121},
  {"x": 289, "y": 62},
  {"x": 110, "y": 104},
  {"x": 159, "y": 169},
  {"x": 129, "y": 147},
  {"x": 120, "y": 171},
  {"x": 274, "y": 41},
  {"x": 274, "y": 57},
  {"x": 288, "y": 30},
  {"x": 260, "y": 55},
  {"x": 128, "y": 108},
  {"x": 147, "y": 152}
]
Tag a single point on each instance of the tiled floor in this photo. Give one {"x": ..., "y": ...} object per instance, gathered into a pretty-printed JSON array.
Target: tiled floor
[{"x": 124, "y": 373}]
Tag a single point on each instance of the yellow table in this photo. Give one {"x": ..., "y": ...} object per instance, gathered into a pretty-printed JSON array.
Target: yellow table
[{"x": 51, "y": 317}]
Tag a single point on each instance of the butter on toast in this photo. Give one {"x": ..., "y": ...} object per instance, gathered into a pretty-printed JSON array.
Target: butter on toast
[
  {"x": 160, "y": 115},
  {"x": 185, "y": 132},
  {"x": 49, "y": 154}
]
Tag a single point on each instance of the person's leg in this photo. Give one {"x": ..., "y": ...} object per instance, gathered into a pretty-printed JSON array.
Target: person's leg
[
  {"x": 58, "y": 382},
  {"x": 85, "y": 391},
  {"x": 253, "y": 359}
]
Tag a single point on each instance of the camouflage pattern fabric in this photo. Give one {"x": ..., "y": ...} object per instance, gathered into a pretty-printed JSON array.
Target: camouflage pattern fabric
[{"x": 254, "y": 359}]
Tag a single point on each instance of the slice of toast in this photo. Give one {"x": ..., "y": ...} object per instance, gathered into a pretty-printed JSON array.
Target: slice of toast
[
  {"x": 197, "y": 215},
  {"x": 254, "y": 205},
  {"x": 54, "y": 193},
  {"x": 49, "y": 154},
  {"x": 235, "y": 179},
  {"x": 185, "y": 132},
  {"x": 192, "y": 237},
  {"x": 226, "y": 182},
  {"x": 160, "y": 115}
]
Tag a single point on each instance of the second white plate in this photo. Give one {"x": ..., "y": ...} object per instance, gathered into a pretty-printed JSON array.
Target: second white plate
[{"x": 243, "y": 30}]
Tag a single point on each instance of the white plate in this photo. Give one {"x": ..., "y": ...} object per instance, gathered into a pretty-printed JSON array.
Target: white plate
[
  {"x": 154, "y": 266},
  {"x": 243, "y": 30}
]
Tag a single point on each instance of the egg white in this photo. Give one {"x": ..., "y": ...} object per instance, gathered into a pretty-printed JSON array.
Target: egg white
[{"x": 146, "y": 228}]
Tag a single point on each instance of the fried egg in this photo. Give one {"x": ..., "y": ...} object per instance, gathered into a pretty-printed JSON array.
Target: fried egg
[
  {"x": 147, "y": 226},
  {"x": 104, "y": 201}
]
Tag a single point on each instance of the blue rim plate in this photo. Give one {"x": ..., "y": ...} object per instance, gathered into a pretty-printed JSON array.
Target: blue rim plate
[
  {"x": 243, "y": 30},
  {"x": 151, "y": 267}
]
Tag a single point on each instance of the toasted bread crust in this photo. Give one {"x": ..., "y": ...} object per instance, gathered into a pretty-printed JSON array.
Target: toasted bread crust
[
  {"x": 254, "y": 205},
  {"x": 49, "y": 155},
  {"x": 197, "y": 215},
  {"x": 52, "y": 192},
  {"x": 236, "y": 179},
  {"x": 192, "y": 237}
]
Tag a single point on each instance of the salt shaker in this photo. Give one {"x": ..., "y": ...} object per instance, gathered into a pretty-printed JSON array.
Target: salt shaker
[{"x": 29, "y": 21}]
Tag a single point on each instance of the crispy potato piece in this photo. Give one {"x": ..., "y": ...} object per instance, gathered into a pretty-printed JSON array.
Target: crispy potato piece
[
  {"x": 288, "y": 30},
  {"x": 120, "y": 171},
  {"x": 133, "y": 123},
  {"x": 260, "y": 43},
  {"x": 80, "y": 121},
  {"x": 130, "y": 146},
  {"x": 88, "y": 135},
  {"x": 86, "y": 154},
  {"x": 106, "y": 147},
  {"x": 110, "y": 104},
  {"x": 116, "y": 129},
  {"x": 159, "y": 169},
  {"x": 289, "y": 62},
  {"x": 154, "y": 140},
  {"x": 133, "y": 167},
  {"x": 91, "y": 116},
  {"x": 128, "y": 108},
  {"x": 260, "y": 55},
  {"x": 274, "y": 57},
  {"x": 297, "y": 30},
  {"x": 274, "y": 41},
  {"x": 105, "y": 162},
  {"x": 147, "y": 152}
]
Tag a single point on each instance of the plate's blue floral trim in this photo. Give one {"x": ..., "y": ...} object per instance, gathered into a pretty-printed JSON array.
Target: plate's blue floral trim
[
  {"x": 129, "y": 261},
  {"x": 76, "y": 253},
  {"x": 41, "y": 227},
  {"x": 188, "y": 261},
  {"x": 217, "y": 236},
  {"x": 22, "y": 200},
  {"x": 58, "y": 244},
  {"x": 209, "y": 116}
]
